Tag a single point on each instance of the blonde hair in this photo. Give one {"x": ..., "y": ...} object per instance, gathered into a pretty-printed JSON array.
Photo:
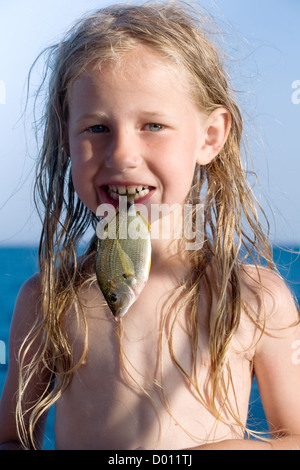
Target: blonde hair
[{"x": 181, "y": 34}]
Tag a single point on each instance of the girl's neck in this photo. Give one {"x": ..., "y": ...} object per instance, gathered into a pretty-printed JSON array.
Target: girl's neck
[{"x": 169, "y": 254}]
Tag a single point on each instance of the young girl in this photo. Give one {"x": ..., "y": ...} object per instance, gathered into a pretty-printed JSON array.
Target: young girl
[{"x": 138, "y": 98}]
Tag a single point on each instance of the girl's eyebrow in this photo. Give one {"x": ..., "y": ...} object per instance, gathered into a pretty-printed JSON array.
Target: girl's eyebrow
[
  {"x": 154, "y": 114},
  {"x": 98, "y": 115},
  {"x": 103, "y": 115}
]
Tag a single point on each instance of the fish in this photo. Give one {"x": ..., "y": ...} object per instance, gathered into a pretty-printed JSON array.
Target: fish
[{"x": 123, "y": 259}]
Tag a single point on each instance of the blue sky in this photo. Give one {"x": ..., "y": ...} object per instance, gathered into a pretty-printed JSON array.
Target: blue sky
[{"x": 261, "y": 36}]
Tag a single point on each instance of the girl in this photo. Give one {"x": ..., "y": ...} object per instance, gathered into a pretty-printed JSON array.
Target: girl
[{"x": 138, "y": 98}]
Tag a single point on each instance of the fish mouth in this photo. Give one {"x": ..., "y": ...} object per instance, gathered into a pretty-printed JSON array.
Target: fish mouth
[{"x": 135, "y": 192}]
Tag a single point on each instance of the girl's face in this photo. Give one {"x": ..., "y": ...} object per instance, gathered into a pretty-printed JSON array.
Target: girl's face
[{"x": 133, "y": 127}]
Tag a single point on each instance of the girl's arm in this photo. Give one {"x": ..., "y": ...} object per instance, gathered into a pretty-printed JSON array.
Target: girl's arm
[
  {"x": 24, "y": 316},
  {"x": 277, "y": 365},
  {"x": 277, "y": 369}
]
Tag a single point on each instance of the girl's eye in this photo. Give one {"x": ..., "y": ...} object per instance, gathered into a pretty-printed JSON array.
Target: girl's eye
[
  {"x": 154, "y": 127},
  {"x": 98, "y": 129}
]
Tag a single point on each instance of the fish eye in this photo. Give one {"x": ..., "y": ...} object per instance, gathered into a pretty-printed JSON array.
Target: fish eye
[{"x": 112, "y": 297}]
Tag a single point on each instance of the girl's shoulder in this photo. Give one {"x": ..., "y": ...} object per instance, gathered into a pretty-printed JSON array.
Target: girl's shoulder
[
  {"x": 26, "y": 307},
  {"x": 31, "y": 286},
  {"x": 30, "y": 291},
  {"x": 266, "y": 293}
]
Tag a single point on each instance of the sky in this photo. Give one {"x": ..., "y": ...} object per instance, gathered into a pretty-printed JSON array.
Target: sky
[{"x": 262, "y": 39}]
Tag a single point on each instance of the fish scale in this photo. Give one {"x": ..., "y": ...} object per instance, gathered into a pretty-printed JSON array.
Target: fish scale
[{"x": 123, "y": 263}]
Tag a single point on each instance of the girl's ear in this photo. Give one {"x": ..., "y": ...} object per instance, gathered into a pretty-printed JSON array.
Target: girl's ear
[{"x": 215, "y": 134}]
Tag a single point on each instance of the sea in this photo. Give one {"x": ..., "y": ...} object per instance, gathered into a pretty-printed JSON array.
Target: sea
[{"x": 18, "y": 263}]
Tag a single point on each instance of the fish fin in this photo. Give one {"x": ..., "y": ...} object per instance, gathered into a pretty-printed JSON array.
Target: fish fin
[
  {"x": 144, "y": 220},
  {"x": 127, "y": 263}
]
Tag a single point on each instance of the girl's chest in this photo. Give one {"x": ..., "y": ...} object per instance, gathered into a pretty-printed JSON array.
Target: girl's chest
[{"x": 138, "y": 385}]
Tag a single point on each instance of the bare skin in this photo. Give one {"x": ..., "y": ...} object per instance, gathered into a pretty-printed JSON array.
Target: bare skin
[
  {"x": 129, "y": 419},
  {"x": 103, "y": 409}
]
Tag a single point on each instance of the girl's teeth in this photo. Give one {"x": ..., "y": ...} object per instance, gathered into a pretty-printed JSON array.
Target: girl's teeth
[
  {"x": 131, "y": 190},
  {"x": 137, "y": 191},
  {"x": 114, "y": 195},
  {"x": 122, "y": 190},
  {"x": 144, "y": 192},
  {"x": 141, "y": 194}
]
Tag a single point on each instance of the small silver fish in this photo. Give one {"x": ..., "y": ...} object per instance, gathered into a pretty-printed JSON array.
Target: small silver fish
[{"x": 123, "y": 263}]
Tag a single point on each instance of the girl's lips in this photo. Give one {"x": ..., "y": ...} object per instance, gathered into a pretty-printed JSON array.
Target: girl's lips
[{"x": 110, "y": 194}]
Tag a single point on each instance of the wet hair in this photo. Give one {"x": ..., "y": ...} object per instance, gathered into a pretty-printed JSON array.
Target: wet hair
[{"x": 184, "y": 37}]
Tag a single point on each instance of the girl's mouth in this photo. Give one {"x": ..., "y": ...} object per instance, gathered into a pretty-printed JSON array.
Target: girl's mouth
[{"x": 134, "y": 192}]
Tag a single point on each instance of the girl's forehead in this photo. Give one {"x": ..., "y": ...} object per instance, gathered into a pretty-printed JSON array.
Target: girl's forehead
[
  {"x": 140, "y": 62},
  {"x": 140, "y": 59},
  {"x": 140, "y": 81}
]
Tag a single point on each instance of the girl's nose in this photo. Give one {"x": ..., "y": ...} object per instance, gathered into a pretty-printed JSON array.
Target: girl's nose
[{"x": 123, "y": 152}]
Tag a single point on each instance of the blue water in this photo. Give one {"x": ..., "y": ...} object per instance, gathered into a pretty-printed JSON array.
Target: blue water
[{"x": 17, "y": 264}]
